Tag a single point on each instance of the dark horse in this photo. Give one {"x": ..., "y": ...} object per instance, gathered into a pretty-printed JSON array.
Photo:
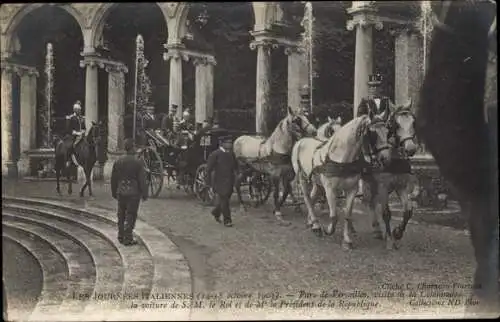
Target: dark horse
[
  {"x": 451, "y": 121},
  {"x": 85, "y": 155}
]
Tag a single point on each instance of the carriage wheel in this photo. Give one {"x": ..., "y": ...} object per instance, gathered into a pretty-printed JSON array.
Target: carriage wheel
[
  {"x": 154, "y": 171},
  {"x": 203, "y": 192},
  {"x": 259, "y": 187}
]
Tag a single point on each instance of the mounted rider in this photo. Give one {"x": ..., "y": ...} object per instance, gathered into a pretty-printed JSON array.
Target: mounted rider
[{"x": 75, "y": 124}]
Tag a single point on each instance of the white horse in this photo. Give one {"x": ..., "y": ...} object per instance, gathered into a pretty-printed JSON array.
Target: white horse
[
  {"x": 395, "y": 176},
  {"x": 271, "y": 156},
  {"x": 337, "y": 164},
  {"x": 326, "y": 130}
]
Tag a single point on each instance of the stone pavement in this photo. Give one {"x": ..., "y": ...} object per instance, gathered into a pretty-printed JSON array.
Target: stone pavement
[{"x": 258, "y": 255}]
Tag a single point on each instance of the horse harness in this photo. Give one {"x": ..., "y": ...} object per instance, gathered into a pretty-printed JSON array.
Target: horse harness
[{"x": 331, "y": 168}]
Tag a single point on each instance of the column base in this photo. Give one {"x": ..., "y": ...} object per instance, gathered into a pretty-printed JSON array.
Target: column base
[
  {"x": 108, "y": 166},
  {"x": 98, "y": 172},
  {"x": 24, "y": 167},
  {"x": 9, "y": 169}
]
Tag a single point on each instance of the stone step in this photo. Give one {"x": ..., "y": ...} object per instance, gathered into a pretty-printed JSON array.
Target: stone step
[
  {"x": 137, "y": 262},
  {"x": 82, "y": 273},
  {"x": 108, "y": 262},
  {"x": 53, "y": 264},
  {"x": 171, "y": 270}
]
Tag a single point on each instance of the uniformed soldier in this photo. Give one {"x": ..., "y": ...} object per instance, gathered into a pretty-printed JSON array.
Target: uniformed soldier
[
  {"x": 75, "y": 129},
  {"x": 128, "y": 185},
  {"x": 221, "y": 173}
]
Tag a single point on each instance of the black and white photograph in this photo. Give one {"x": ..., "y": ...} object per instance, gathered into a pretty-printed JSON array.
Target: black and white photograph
[{"x": 293, "y": 160}]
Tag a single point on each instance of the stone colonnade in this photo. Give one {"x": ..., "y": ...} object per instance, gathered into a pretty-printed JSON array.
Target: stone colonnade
[
  {"x": 365, "y": 20},
  {"x": 204, "y": 80},
  {"x": 408, "y": 53},
  {"x": 28, "y": 87}
]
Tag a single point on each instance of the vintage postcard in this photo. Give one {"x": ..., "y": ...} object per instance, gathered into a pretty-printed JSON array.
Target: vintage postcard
[{"x": 249, "y": 160}]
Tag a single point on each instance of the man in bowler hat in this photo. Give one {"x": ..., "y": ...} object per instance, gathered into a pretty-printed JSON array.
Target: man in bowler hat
[
  {"x": 221, "y": 171},
  {"x": 128, "y": 185}
]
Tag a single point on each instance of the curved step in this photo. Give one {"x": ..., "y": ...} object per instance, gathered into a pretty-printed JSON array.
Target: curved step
[
  {"x": 20, "y": 268},
  {"x": 172, "y": 272},
  {"x": 55, "y": 270},
  {"x": 108, "y": 262},
  {"x": 82, "y": 271},
  {"x": 137, "y": 264}
]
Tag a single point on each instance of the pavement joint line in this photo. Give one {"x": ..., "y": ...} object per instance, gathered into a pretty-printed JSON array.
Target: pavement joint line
[
  {"x": 157, "y": 243},
  {"x": 51, "y": 275},
  {"x": 78, "y": 283}
]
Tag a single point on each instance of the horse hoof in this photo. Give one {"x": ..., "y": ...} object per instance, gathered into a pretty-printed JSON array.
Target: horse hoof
[
  {"x": 329, "y": 231},
  {"x": 391, "y": 245},
  {"x": 318, "y": 231},
  {"x": 378, "y": 235},
  {"x": 397, "y": 233},
  {"x": 309, "y": 225},
  {"x": 346, "y": 246}
]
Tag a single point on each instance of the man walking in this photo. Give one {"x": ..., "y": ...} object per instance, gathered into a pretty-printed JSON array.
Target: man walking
[
  {"x": 128, "y": 185},
  {"x": 221, "y": 172}
]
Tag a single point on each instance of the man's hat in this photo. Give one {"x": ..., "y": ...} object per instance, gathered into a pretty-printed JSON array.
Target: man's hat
[
  {"x": 226, "y": 138},
  {"x": 77, "y": 105},
  {"x": 375, "y": 80},
  {"x": 174, "y": 106}
]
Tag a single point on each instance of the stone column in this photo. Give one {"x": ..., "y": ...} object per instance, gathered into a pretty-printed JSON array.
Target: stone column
[
  {"x": 209, "y": 83},
  {"x": 28, "y": 118},
  {"x": 204, "y": 88},
  {"x": 408, "y": 66},
  {"x": 91, "y": 90},
  {"x": 297, "y": 75},
  {"x": 263, "y": 90},
  {"x": 175, "y": 55},
  {"x": 364, "y": 19},
  {"x": 116, "y": 112},
  {"x": 9, "y": 166},
  {"x": 200, "y": 89}
]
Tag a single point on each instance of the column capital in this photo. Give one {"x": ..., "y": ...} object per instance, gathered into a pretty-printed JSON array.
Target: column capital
[
  {"x": 290, "y": 50},
  {"x": 18, "y": 69},
  {"x": 92, "y": 62},
  {"x": 176, "y": 54},
  {"x": 266, "y": 43},
  {"x": 363, "y": 21},
  {"x": 116, "y": 67},
  {"x": 204, "y": 60},
  {"x": 403, "y": 29}
]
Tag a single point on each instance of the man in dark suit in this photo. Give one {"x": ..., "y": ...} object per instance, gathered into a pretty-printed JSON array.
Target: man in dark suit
[
  {"x": 375, "y": 101},
  {"x": 221, "y": 172},
  {"x": 128, "y": 185}
]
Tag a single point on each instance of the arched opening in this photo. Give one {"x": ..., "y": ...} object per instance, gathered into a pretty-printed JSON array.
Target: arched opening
[
  {"x": 122, "y": 24},
  {"x": 50, "y": 24},
  {"x": 223, "y": 29}
]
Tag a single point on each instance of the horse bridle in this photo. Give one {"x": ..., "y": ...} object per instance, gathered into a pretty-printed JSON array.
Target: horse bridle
[
  {"x": 392, "y": 126},
  {"x": 374, "y": 150}
]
